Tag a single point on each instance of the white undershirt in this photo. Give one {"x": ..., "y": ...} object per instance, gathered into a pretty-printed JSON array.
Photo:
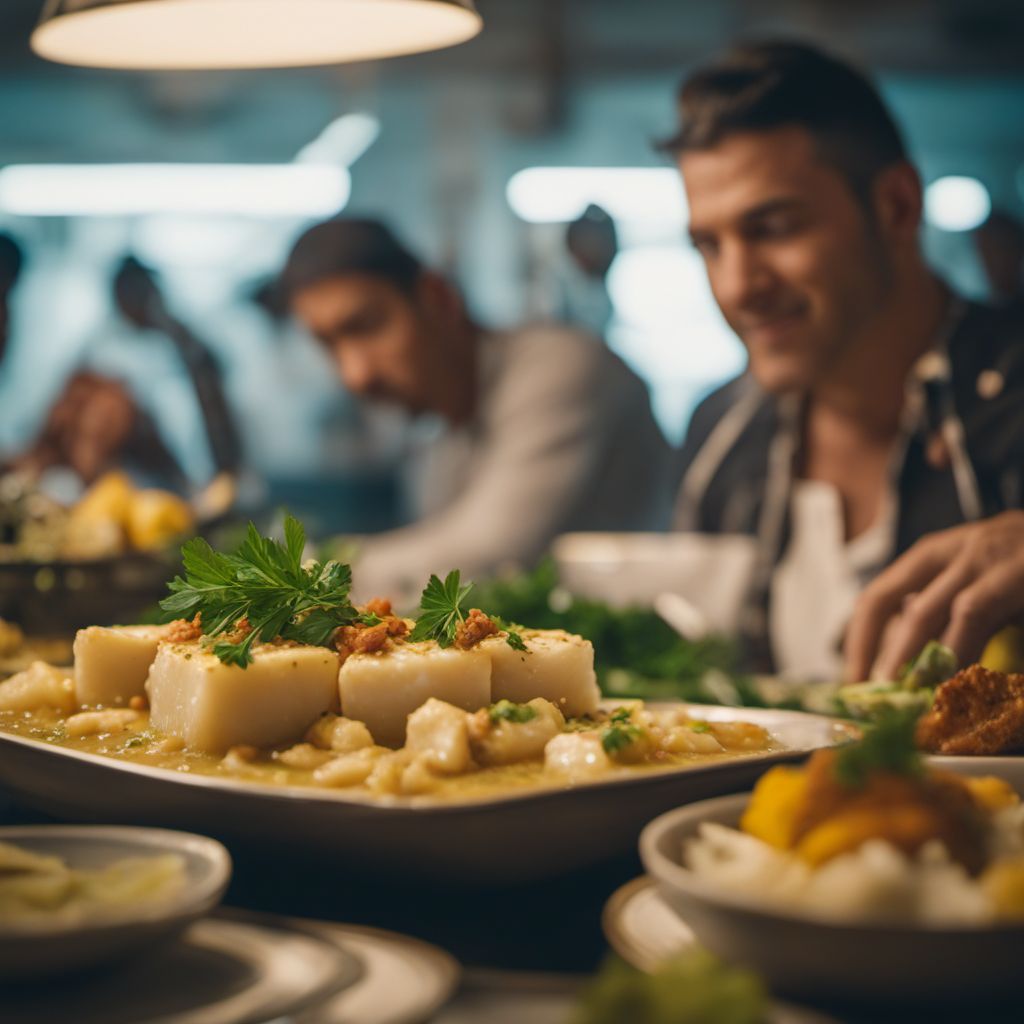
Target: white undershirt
[{"x": 816, "y": 584}]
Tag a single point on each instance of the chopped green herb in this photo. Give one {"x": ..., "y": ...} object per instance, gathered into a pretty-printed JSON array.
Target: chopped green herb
[
  {"x": 507, "y": 711},
  {"x": 369, "y": 619},
  {"x": 888, "y": 746},
  {"x": 617, "y": 737},
  {"x": 266, "y": 583},
  {"x": 621, "y": 715},
  {"x": 700, "y": 727},
  {"x": 135, "y": 741}
]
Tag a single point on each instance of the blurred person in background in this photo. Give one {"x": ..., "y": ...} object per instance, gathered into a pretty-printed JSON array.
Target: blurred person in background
[
  {"x": 1000, "y": 245},
  {"x": 877, "y": 406},
  {"x": 11, "y": 261},
  {"x": 127, "y": 404},
  {"x": 536, "y": 431},
  {"x": 592, "y": 243}
]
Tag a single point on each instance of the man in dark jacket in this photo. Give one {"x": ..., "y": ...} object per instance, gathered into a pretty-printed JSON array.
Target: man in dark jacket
[{"x": 877, "y": 406}]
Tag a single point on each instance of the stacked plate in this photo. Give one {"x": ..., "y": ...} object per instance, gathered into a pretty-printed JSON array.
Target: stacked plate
[{"x": 164, "y": 961}]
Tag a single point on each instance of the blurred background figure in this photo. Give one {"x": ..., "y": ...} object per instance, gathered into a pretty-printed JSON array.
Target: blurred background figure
[
  {"x": 11, "y": 260},
  {"x": 526, "y": 432},
  {"x": 592, "y": 243},
  {"x": 143, "y": 309},
  {"x": 1000, "y": 245}
]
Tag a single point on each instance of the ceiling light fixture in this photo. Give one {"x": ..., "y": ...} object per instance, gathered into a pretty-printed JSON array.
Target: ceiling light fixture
[
  {"x": 209, "y": 34},
  {"x": 124, "y": 190}
]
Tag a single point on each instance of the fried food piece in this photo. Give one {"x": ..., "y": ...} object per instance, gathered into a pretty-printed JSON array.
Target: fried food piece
[
  {"x": 976, "y": 712},
  {"x": 907, "y": 811}
]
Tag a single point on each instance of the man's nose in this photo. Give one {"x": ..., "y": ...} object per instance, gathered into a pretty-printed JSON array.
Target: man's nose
[
  {"x": 742, "y": 278},
  {"x": 354, "y": 368}
]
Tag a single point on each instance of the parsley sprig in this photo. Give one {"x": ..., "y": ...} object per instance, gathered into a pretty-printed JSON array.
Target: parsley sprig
[
  {"x": 443, "y": 609},
  {"x": 266, "y": 583}
]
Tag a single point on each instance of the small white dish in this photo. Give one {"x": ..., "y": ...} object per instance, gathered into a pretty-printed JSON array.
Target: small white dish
[
  {"x": 224, "y": 970},
  {"x": 39, "y": 946},
  {"x": 817, "y": 957}
]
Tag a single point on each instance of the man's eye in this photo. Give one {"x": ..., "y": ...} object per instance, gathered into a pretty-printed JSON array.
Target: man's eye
[
  {"x": 707, "y": 247},
  {"x": 775, "y": 227}
]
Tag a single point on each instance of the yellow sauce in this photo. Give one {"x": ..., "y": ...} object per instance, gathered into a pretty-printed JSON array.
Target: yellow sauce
[{"x": 141, "y": 745}]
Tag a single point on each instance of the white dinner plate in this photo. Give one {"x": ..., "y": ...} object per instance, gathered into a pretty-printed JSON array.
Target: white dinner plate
[
  {"x": 404, "y": 980},
  {"x": 224, "y": 970},
  {"x": 522, "y": 835},
  {"x": 645, "y": 931}
]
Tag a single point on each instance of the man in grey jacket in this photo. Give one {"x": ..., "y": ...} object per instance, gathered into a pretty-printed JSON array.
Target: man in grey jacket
[{"x": 540, "y": 430}]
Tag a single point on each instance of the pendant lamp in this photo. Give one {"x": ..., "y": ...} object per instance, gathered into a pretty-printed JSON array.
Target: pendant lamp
[{"x": 207, "y": 34}]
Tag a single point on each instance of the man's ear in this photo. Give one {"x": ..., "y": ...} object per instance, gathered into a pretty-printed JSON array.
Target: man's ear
[
  {"x": 898, "y": 202},
  {"x": 437, "y": 297}
]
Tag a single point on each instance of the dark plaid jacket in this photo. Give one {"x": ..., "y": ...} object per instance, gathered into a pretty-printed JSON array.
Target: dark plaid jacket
[{"x": 733, "y": 467}]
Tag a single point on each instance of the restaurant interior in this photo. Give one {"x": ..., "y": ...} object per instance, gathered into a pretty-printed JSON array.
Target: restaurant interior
[{"x": 511, "y": 510}]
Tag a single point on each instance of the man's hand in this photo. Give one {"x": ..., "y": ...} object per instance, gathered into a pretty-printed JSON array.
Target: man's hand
[{"x": 960, "y": 586}]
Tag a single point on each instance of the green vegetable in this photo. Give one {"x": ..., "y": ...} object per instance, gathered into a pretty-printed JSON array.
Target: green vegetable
[
  {"x": 888, "y": 746},
  {"x": 935, "y": 664},
  {"x": 692, "y": 988},
  {"x": 265, "y": 582},
  {"x": 442, "y": 608},
  {"x": 700, "y": 727},
  {"x": 637, "y": 654},
  {"x": 507, "y": 711}
]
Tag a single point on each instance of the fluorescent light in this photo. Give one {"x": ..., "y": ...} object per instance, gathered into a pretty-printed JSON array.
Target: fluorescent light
[
  {"x": 956, "y": 203},
  {"x": 256, "y": 190},
  {"x": 544, "y": 195},
  {"x": 190, "y": 34},
  {"x": 342, "y": 142}
]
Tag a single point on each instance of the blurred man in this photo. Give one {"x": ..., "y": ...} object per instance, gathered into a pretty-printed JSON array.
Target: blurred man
[
  {"x": 1000, "y": 245},
  {"x": 877, "y": 406},
  {"x": 540, "y": 430}
]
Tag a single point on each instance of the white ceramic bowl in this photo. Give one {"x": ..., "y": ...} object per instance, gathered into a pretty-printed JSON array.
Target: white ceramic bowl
[
  {"x": 38, "y": 947},
  {"x": 814, "y": 957},
  {"x": 711, "y": 572}
]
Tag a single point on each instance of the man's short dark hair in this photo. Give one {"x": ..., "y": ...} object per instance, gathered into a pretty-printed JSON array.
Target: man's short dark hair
[
  {"x": 347, "y": 245},
  {"x": 763, "y": 86}
]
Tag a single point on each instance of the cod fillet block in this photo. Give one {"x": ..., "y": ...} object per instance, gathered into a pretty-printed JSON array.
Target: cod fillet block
[
  {"x": 213, "y": 706},
  {"x": 111, "y": 664},
  {"x": 556, "y": 665},
  {"x": 383, "y": 689}
]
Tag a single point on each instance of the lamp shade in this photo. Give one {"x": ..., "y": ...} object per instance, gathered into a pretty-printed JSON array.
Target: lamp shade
[{"x": 196, "y": 34}]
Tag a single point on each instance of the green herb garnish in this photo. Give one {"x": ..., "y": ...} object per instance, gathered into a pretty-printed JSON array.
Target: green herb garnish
[
  {"x": 369, "y": 619},
  {"x": 264, "y": 582},
  {"x": 888, "y": 746},
  {"x": 442, "y": 609},
  {"x": 700, "y": 727},
  {"x": 507, "y": 711},
  {"x": 617, "y": 737}
]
